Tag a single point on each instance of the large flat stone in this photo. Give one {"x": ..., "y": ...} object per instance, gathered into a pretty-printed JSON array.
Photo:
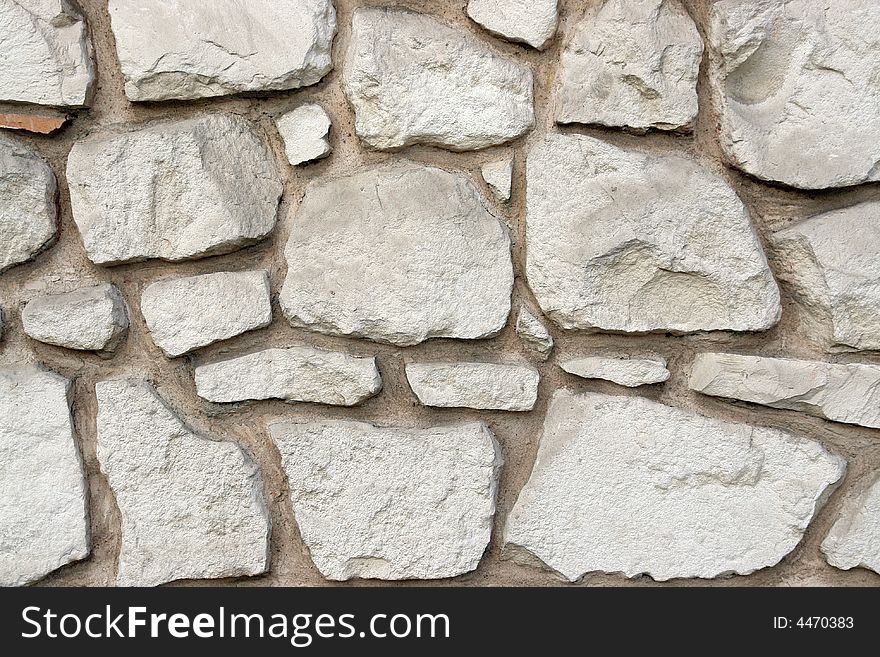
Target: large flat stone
[
  {"x": 854, "y": 540},
  {"x": 490, "y": 386}
]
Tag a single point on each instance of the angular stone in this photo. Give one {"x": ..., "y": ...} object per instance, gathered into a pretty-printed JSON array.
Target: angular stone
[
  {"x": 854, "y": 540},
  {"x": 531, "y": 331},
  {"x": 46, "y": 53},
  {"x": 627, "y": 485},
  {"x": 304, "y": 131},
  {"x": 44, "y": 518},
  {"x": 474, "y": 385},
  {"x": 187, "y": 313},
  {"x": 795, "y": 85},
  {"x": 300, "y": 374},
  {"x": 498, "y": 176},
  {"x": 192, "y": 507},
  {"x": 391, "y": 503},
  {"x": 173, "y": 190},
  {"x": 625, "y": 241},
  {"x": 629, "y": 372},
  {"x": 631, "y": 63},
  {"x": 398, "y": 254},
  {"x": 41, "y": 124},
  {"x": 526, "y": 21},
  {"x": 412, "y": 79},
  {"x": 833, "y": 263},
  {"x": 177, "y": 49},
  {"x": 90, "y": 318},
  {"x": 842, "y": 393}
]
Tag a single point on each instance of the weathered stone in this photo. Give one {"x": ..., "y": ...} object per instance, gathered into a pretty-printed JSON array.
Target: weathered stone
[
  {"x": 498, "y": 176},
  {"x": 624, "y": 241},
  {"x": 44, "y": 520},
  {"x": 412, "y": 79},
  {"x": 795, "y": 86},
  {"x": 627, "y": 485},
  {"x": 304, "y": 131},
  {"x": 854, "y": 540},
  {"x": 41, "y": 124},
  {"x": 177, "y": 49},
  {"x": 842, "y": 393},
  {"x": 173, "y": 190},
  {"x": 391, "y": 503},
  {"x": 187, "y": 313},
  {"x": 526, "y": 21},
  {"x": 399, "y": 254},
  {"x": 192, "y": 507},
  {"x": 833, "y": 262},
  {"x": 533, "y": 333},
  {"x": 474, "y": 385},
  {"x": 47, "y": 56},
  {"x": 299, "y": 374},
  {"x": 629, "y": 372}
]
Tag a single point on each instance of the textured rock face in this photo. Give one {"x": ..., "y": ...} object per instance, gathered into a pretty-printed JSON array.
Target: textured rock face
[
  {"x": 177, "y": 190},
  {"x": 304, "y": 131},
  {"x": 833, "y": 262},
  {"x": 294, "y": 374},
  {"x": 629, "y": 372},
  {"x": 47, "y": 56},
  {"x": 794, "y": 82},
  {"x": 842, "y": 393},
  {"x": 192, "y": 507},
  {"x": 412, "y": 79},
  {"x": 90, "y": 318},
  {"x": 854, "y": 540},
  {"x": 498, "y": 176},
  {"x": 176, "y": 49},
  {"x": 623, "y": 484},
  {"x": 43, "y": 501},
  {"x": 527, "y": 21},
  {"x": 474, "y": 385},
  {"x": 531, "y": 331},
  {"x": 187, "y": 313},
  {"x": 631, "y": 63},
  {"x": 622, "y": 241},
  {"x": 397, "y": 254},
  {"x": 389, "y": 503}
]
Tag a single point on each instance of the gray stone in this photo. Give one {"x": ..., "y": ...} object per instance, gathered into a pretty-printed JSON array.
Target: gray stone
[
  {"x": 498, "y": 176},
  {"x": 304, "y": 131},
  {"x": 854, "y": 540},
  {"x": 533, "y": 333},
  {"x": 629, "y": 372},
  {"x": 488, "y": 386},
  {"x": 526, "y": 21}
]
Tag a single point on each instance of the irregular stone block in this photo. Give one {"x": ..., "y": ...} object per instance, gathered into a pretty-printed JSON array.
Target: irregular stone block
[
  {"x": 854, "y": 540},
  {"x": 629, "y": 372},
  {"x": 527, "y": 21},
  {"x": 304, "y": 131},
  {"x": 498, "y": 176},
  {"x": 474, "y": 385},
  {"x": 533, "y": 333}
]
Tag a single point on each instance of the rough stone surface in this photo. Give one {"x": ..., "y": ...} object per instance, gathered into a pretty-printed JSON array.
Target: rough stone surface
[
  {"x": 498, "y": 176},
  {"x": 627, "y": 485},
  {"x": 842, "y": 393},
  {"x": 187, "y": 313},
  {"x": 397, "y": 254},
  {"x": 44, "y": 519},
  {"x": 299, "y": 374},
  {"x": 191, "y": 507},
  {"x": 474, "y": 385},
  {"x": 854, "y": 540},
  {"x": 631, "y": 63},
  {"x": 46, "y": 53},
  {"x": 304, "y": 131},
  {"x": 173, "y": 190},
  {"x": 526, "y": 21},
  {"x": 680, "y": 256},
  {"x": 795, "y": 85},
  {"x": 90, "y": 318},
  {"x": 412, "y": 79},
  {"x": 531, "y": 331},
  {"x": 177, "y": 49},
  {"x": 629, "y": 372},
  {"x": 391, "y": 503}
]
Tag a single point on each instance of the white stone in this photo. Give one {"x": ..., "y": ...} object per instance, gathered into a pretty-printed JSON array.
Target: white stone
[
  {"x": 624, "y": 241},
  {"x": 833, "y": 262},
  {"x": 498, "y": 176},
  {"x": 398, "y": 254},
  {"x": 27, "y": 203},
  {"x": 526, "y": 21},
  {"x": 391, "y": 503},
  {"x": 173, "y": 190},
  {"x": 192, "y": 507},
  {"x": 304, "y": 131},
  {"x": 842, "y": 393},
  {"x": 794, "y": 83},
  {"x": 629, "y": 372},
  {"x": 44, "y": 518},
  {"x": 178, "y": 49},
  {"x": 531, "y": 331},
  {"x": 627, "y": 485},
  {"x": 187, "y": 313},
  {"x": 488, "y": 386},
  {"x": 412, "y": 79},
  {"x": 631, "y": 63},
  {"x": 299, "y": 374},
  {"x": 90, "y": 318},
  {"x": 854, "y": 540},
  {"x": 46, "y": 53}
]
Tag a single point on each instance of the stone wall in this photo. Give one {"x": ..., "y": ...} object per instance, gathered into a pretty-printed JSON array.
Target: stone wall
[{"x": 477, "y": 293}]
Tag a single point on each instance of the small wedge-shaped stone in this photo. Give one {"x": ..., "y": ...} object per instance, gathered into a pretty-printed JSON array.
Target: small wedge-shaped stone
[
  {"x": 192, "y": 507},
  {"x": 488, "y": 386},
  {"x": 629, "y": 372},
  {"x": 498, "y": 176},
  {"x": 625, "y": 241},
  {"x": 854, "y": 540},
  {"x": 527, "y": 21},
  {"x": 533, "y": 333},
  {"x": 627, "y": 485},
  {"x": 842, "y": 393},
  {"x": 301, "y": 374},
  {"x": 412, "y": 79},
  {"x": 44, "y": 520},
  {"x": 391, "y": 503},
  {"x": 304, "y": 131},
  {"x": 173, "y": 190}
]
